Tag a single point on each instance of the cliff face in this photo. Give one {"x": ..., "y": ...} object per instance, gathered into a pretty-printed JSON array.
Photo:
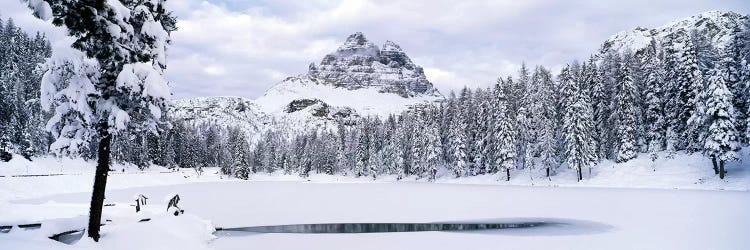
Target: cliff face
[{"x": 359, "y": 63}]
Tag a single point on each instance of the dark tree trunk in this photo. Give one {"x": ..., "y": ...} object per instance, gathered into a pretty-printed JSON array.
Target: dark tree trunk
[
  {"x": 713, "y": 160},
  {"x": 580, "y": 174},
  {"x": 507, "y": 173},
  {"x": 721, "y": 169},
  {"x": 100, "y": 184},
  {"x": 547, "y": 172}
]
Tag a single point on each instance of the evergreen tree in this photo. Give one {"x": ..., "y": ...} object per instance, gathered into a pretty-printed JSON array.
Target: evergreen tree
[
  {"x": 626, "y": 112},
  {"x": 457, "y": 145},
  {"x": 578, "y": 126},
  {"x": 432, "y": 151},
  {"x": 503, "y": 140},
  {"x": 722, "y": 141},
  {"x": 732, "y": 63},
  {"x": 129, "y": 47},
  {"x": 654, "y": 114},
  {"x": 545, "y": 110},
  {"x": 690, "y": 82}
]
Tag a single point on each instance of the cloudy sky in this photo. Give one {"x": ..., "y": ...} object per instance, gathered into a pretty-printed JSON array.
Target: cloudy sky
[{"x": 242, "y": 47}]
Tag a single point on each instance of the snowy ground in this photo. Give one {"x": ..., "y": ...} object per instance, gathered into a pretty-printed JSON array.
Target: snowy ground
[{"x": 702, "y": 214}]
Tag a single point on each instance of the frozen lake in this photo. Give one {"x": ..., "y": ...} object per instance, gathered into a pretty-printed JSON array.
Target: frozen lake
[{"x": 589, "y": 218}]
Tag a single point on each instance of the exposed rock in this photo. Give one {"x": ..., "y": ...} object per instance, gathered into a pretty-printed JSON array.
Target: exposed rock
[{"x": 358, "y": 63}]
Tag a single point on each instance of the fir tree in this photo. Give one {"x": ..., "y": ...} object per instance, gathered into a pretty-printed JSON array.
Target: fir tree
[
  {"x": 578, "y": 123},
  {"x": 626, "y": 112},
  {"x": 457, "y": 145},
  {"x": 654, "y": 114},
  {"x": 503, "y": 137},
  {"x": 722, "y": 141}
]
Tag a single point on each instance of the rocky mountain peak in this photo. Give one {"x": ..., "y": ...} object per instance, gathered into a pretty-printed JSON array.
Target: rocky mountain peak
[
  {"x": 359, "y": 63},
  {"x": 357, "y": 45}
]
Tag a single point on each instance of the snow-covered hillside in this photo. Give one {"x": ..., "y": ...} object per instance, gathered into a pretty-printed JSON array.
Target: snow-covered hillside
[
  {"x": 717, "y": 25},
  {"x": 235, "y": 111},
  {"x": 364, "y": 101}
]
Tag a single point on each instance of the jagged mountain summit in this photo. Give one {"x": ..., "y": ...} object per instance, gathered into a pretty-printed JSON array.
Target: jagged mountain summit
[
  {"x": 359, "y": 63},
  {"x": 717, "y": 26},
  {"x": 360, "y": 76}
]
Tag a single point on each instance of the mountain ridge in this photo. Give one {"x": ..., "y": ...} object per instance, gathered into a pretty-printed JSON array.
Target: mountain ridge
[{"x": 719, "y": 26}]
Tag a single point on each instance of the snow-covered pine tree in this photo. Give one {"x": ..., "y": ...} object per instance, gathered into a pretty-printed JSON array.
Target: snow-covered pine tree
[
  {"x": 481, "y": 133},
  {"x": 457, "y": 145},
  {"x": 525, "y": 130},
  {"x": 654, "y": 114},
  {"x": 578, "y": 125},
  {"x": 672, "y": 105},
  {"x": 690, "y": 82},
  {"x": 402, "y": 143},
  {"x": 5, "y": 147},
  {"x": 124, "y": 84},
  {"x": 362, "y": 149},
  {"x": 390, "y": 155},
  {"x": 546, "y": 119},
  {"x": 610, "y": 68},
  {"x": 446, "y": 110},
  {"x": 433, "y": 149},
  {"x": 467, "y": 108},
  {"x": 594, "y": 88},
  {"x": 731, "y": 59},
  {"x": 722, "y": 141},
  {"x": 240, "y": 164},
  {"x": 376, "y": 135},
  {"x": 502, "y": 136},
  {"x": 742, "y": 41},
  {"x": 626, "y": 114}
]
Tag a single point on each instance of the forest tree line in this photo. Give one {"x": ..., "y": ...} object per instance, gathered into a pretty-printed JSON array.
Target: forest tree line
[
  {"x": 22, "y": 121},
  {"x": 680, "y": 94}
]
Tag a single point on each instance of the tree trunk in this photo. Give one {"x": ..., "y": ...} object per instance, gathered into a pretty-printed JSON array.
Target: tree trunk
[
  {"x": 721, "y": 169},
  {"x": 713, "y": 160},
  {"x": 507, "y": 173},
  {"x": 100, "y": 184},
  {"x": 580, "y": 174}
]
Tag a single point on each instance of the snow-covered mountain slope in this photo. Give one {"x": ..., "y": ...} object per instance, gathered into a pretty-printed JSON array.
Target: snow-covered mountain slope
[
  {"x": 718, "y": 26},
  {"x": 362, "y": 101},
  {"x": 234, "y": 111}
]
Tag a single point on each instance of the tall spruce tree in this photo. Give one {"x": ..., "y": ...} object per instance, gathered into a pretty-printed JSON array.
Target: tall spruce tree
[
  {"x": 654, "y": 114},
  {"x": 626, "y": 113},
  {"x": 578, "y": 128},
  {"x": 722, "y": 139},
  {"x": 503, "y": 136}
]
